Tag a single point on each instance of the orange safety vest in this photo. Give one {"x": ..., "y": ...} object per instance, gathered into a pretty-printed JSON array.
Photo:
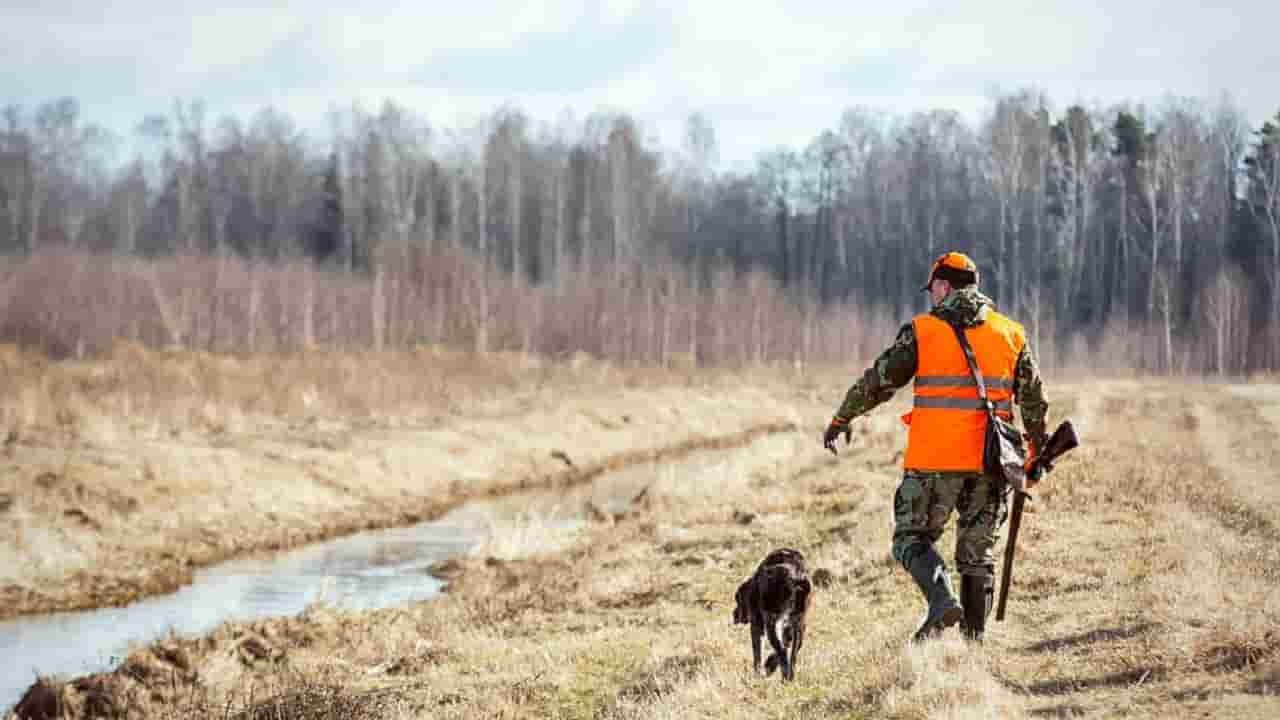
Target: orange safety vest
[{"x": 948, "y": 422}]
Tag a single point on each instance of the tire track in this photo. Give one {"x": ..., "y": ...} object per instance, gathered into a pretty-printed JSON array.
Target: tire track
[{"x": 1239, "y": 443}]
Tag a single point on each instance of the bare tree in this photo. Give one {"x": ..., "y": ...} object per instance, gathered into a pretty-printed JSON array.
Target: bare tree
[
  {"x": 1039, "y": 143},
  {"x": 861, "y": 130},
  {"x": 1164, "y": 298},
  {"x": 1183, "y": 140},
  {"x": 1153, "y": 176},
  {"x": 621, "y": 153},
  {"x": 1008, "y": 148},
  {"x": 696, "y": 173},
  {"x": 778, "y": 181},
  {"x": 1264, "y": 199},
  {"x": 1082, "y": 164},
  {"x": 823, "y": 180},
  {"x": 131, "y": 205},
  {"x": 481, "y": 180},
  {"x": 57, "y": 145},
  {"x": 560, "y": 180},
  {"x": 1229, "y": 133},
  {"x": 1223, "y": 307},
  {"x": 508, "y": 149}
]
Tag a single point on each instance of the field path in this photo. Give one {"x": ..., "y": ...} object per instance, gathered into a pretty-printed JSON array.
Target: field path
[
  {"x": 1240, "y": 430},
  {"x": 1265, "y": 397}
]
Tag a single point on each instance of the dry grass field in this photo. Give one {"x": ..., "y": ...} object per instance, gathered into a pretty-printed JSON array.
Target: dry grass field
[{"x": 1148, "y": 582}]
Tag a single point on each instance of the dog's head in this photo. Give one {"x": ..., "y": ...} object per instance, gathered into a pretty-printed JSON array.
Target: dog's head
[{"x": 742, "y": 612}]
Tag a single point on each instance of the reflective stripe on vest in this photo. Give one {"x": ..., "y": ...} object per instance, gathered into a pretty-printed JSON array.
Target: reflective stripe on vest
[
  {"x": 964, "y": 381},
  {"x": 955, "y": 403},
  {"x": 948, "y": 422}
]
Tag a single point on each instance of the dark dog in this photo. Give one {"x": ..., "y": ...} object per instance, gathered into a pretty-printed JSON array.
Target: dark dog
[{"x": 776, "y": 595}]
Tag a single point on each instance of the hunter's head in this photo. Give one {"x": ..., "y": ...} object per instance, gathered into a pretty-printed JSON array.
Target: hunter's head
[{"x": 950, "y": 271}]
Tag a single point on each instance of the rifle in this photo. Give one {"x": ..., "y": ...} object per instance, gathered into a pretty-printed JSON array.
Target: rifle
[{"x": 1062, "y": 440}]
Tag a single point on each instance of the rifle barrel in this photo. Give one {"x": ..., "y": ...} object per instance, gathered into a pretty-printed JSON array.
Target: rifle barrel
[{"x": 1006, "y": 573}]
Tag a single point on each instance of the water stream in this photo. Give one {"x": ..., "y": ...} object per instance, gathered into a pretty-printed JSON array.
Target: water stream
[
  {"x": 363, "y": 571},
  {"x": 367, "y": 570}
]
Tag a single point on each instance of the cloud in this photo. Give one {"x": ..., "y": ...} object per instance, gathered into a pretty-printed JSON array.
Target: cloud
[
  {"x": 764, "y": 73},
  {"x": 585, "y": 54}
]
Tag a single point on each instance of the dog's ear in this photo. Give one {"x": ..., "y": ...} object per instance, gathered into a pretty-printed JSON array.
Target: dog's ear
[{"x": 742, "y": 609}]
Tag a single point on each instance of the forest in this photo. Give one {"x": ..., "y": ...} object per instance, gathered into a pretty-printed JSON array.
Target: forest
[{"x": 1124, "y": 237}]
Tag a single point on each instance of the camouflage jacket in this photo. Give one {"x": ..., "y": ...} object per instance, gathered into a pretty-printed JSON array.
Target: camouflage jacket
[{"x": 897, "y": 365}]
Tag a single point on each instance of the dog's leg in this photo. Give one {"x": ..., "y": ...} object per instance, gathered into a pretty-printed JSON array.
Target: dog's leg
[
  {"x": 797, "y": 639},
  {"x": 779, "y": 651},
  {"x": 772, "y": 662},
  {"x": 757, "y": 629}
]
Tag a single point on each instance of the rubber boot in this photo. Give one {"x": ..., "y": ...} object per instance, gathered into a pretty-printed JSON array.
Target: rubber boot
[
  {"x": 976, "y": 593},
  {"x": 931, "y": 576}
]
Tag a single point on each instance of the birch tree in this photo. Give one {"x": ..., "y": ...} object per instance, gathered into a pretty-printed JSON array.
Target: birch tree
[
  {"x": 1153, "y": 175},
  {"x": 59, "y": 141},
  {"x": 861, "y": 131},
  {"x": 622, "y": 156},
  {"x": 1083, "y": 164},
  {"x": 1264, "y": 202},
  {"x": 16, "y": 178},
  {"x": 1227, "y": 149},
  {"x": 1007, "y": 153},
  {"x": 1223, "y": 308}
]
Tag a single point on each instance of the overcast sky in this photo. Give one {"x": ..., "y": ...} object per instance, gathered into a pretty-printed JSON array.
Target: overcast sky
[{"x": 765, "y": 74}]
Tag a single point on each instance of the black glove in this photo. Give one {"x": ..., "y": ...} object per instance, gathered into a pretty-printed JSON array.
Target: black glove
[{"x": 838, "y": 425}]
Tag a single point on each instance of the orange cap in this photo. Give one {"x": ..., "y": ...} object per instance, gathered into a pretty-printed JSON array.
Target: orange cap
[{"x": 955, "y": 261}]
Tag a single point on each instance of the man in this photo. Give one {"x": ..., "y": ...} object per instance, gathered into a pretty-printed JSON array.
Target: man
[{"x": 942, "y": 468}]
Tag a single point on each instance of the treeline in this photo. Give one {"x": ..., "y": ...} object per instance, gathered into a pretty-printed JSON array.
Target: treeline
[{"x": 1144, "y": 237}]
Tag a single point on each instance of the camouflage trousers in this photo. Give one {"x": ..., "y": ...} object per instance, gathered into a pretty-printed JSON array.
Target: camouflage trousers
[{"x": 924, "y": 502}]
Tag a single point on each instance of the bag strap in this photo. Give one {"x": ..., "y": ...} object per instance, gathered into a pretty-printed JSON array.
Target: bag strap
[{"x": 973, "y": 368}]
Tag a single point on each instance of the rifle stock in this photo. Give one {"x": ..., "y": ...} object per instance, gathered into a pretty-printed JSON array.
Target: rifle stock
[{"x": 1062, "y": 440}]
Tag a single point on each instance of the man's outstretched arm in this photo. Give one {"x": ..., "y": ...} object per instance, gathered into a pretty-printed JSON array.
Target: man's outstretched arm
[{"x": 894, "y": 368}]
